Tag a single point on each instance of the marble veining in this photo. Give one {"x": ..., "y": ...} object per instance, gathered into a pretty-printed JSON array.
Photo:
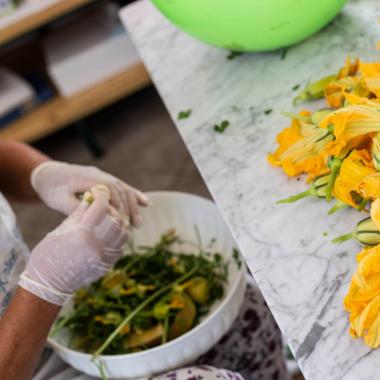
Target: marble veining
[{"x": 301, "y": 274}]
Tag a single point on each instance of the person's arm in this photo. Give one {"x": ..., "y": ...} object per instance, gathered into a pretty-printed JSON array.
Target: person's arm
[
  {"x": 23, "y": 332},
  {"x": 17, "y": 161},
  {"x": 78, "y": 252}
]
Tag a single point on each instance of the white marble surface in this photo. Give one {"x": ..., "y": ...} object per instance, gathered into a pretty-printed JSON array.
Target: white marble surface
[{"x": 301, "y": 274}]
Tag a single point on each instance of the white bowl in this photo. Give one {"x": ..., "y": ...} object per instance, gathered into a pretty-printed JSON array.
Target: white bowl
[{"x": 182, "y": 212}]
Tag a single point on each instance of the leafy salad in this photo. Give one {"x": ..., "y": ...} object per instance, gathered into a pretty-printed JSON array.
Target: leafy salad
[{"x": 151, "y": 296}]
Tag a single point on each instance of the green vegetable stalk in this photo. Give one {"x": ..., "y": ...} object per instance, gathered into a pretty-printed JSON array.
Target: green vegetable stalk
[
  {"x": 365, "y": 233},
  {"x": 314, "y": 90},
  {"x": 339, "y": 205},
  {"x": 317, "y": 189}
]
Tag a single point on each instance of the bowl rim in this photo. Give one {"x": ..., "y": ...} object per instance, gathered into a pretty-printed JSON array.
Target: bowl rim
[{"x": 241, "y": 273}]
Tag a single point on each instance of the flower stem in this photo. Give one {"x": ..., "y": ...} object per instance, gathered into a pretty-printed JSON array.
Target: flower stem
[
  {"x": 139, "y": 308},
  {"x": 362, "y": 204},
  {"x": 341, "y": 239},
  {"x": 295, "y": 198},
  {"x": 338, "y": 206},
  {"x": 334, "y": 164},
  {"x": 57, "y": 326}
]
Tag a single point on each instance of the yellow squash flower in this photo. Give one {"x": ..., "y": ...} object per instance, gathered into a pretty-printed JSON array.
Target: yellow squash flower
[
  {"x": 305, "y": 155},
  {"x": 334, "y": 91},
  {"x": 356, "y": 99},
  {"x": 349, "y": 68},
  {"x": 286, "y": 138},
  {"x": 300, "y": 149},
  {"x": 352, "y": 121},
  {"x": 345, "y": 81},
  {"x": 369, "y": 186},
  {"x": 317, "y": 89},
  {"x": 371, "y": 76},
  {"x": 363, "y": 298},
  {"x": 353, "y": 169},
  {"x": 375, "y": 212},
  {"x": 375, "y": 151}
]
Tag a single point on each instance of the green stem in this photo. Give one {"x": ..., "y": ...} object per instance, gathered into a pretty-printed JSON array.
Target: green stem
[
  {"x": 362, "y": 204},
  {"x": 139, "y": 308},
  {"x": 100, "y": 366},
  {"x": 341, "y": 239},
  {"x": 334, "y": 165},
  {"x": 59, "y": 325},
  {"x": 295, "y": 198},
  {"x": 199, "y": 239},
  {"x": 338, "y": 206}
]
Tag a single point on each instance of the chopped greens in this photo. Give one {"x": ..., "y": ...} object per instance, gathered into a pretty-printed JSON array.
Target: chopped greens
[
  {"x": 150, "y": 297},
  {"x": 184, "y": 114},
  {"x": 296, "y": 87},
  {"x": 220, "y": 128},
  {"x": 234, "y": 54},
  {"x": 284, "y": 52},
  {"x": 268, "y": 111},
  {"x": 236, "y": 257}
]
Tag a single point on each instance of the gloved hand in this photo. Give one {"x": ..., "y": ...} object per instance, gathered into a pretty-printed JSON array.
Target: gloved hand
[
  {"x": 81, "y": 250},
  {"x": 58, "y": 184}
]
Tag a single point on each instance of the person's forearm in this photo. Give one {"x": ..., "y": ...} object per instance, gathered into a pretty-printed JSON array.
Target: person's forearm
[
  {"x": 23, "y": 332},
  {"x": 17, "y": 160}
]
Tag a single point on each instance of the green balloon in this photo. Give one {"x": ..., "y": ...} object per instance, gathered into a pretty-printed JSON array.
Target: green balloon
[{"x": 250, "y": 25}]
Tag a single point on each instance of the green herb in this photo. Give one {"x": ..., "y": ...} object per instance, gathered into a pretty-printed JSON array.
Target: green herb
[
  {"x": 289, "y": 354},
  {"x": 284, "y": 52},
  {"x": 150, "y": 297},
  {"x": 268, "y": 111},
  {"x": 234, "y": 54},
  {"x": 236, "y": 257},
  {"x": 220, "y": 128},
  {"x": 296, "y": 87},
  {"x": 325, "y": 233},
  {"x": 184, "y": 114}
]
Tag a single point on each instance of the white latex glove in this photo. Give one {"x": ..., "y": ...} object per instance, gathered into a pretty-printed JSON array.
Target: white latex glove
[
  {"x": 58, "y": 184},
  {"x": 81, "y": 250}
]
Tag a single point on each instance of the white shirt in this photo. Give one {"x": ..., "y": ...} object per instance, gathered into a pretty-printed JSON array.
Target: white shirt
[{"x": 13, "y": 254}]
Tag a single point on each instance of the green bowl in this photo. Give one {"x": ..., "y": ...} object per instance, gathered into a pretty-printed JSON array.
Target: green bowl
[{"x": 250, "y": 25}]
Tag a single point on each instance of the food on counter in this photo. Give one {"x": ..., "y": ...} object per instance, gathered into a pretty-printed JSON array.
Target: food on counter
[
  {"x": 366, "y": 233},
  {"x": 363, "y": 298},
  {"x": 233, "y": 54},
  {"x": 150, "y": 297},
  {"x": 220, "y": 128},
  {"x": 184, "y": 114},
  {"x": 338, "y": 148},
  {"x": 317, "y": 189}
]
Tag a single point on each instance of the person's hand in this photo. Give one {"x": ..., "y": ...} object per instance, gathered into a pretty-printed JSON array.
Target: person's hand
[
  {"x": 81, "y": 250},
  {"x": 59, "y": 185}
]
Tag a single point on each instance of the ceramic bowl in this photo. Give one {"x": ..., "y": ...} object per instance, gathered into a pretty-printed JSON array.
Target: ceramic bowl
[{"x": 183, "y": 212}]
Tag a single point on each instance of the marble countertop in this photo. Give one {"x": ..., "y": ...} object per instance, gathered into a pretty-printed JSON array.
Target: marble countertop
[{"x": 302, "y": 276}]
